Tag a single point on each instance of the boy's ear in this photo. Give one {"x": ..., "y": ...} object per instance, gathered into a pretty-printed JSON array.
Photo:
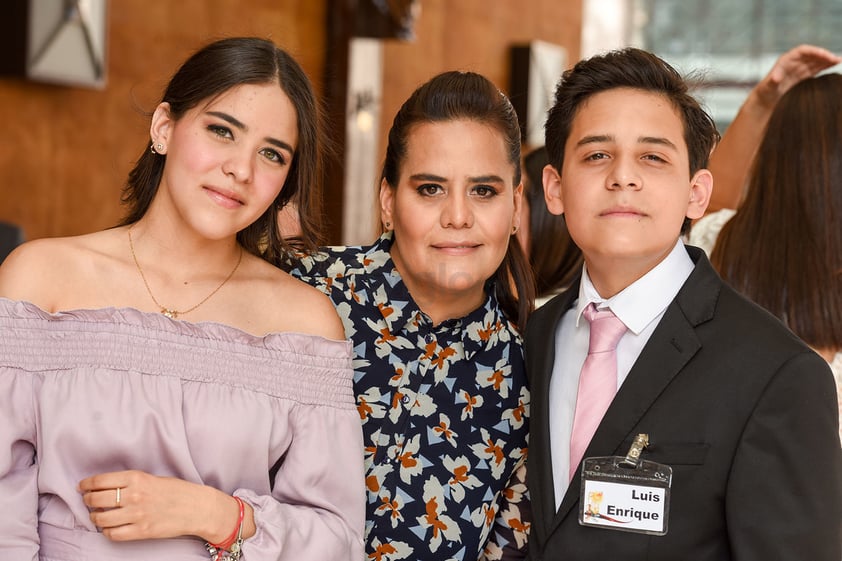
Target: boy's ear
[
  {"x": 552, "y": 190},
  {"x": 701, "y": 187}
]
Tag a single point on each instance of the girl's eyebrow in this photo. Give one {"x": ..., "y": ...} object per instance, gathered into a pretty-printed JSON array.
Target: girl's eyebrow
[{"x": 243, "y": 127}]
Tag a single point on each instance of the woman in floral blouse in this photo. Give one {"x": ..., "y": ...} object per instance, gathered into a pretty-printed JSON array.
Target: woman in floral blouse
[{"x": 432, "y": 308}]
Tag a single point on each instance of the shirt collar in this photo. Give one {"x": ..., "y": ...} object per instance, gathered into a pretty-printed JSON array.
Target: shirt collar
[
  {"x": 388, "y": 291},
  {"x": 641, "y": 302}
]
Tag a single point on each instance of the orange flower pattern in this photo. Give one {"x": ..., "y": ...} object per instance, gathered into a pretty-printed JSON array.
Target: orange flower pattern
[{"x": 444, "y": 410}]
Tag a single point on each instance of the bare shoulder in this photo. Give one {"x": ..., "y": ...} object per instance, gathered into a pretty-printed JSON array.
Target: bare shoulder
[
  {"x": 39, "y": 270},
  {"x": 27, "y": 271},
  {"x": 292, "y": 305}
]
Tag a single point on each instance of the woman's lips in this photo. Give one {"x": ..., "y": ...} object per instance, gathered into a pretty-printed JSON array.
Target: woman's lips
[{"x": 457, "y": 248}]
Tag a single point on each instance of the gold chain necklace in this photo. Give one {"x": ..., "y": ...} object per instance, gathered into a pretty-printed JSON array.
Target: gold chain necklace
[{"x": 173, "y": 314}]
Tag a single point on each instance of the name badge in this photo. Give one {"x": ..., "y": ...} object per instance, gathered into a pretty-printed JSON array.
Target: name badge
[{"x": 626, "y": 493}]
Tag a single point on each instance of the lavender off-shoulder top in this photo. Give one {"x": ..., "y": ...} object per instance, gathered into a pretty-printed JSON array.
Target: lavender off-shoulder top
[{"x": 92, "y": 391}]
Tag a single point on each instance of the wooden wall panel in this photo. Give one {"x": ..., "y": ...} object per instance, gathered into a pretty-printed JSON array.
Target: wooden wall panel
[
  {"x": 473, "y": 35},
  {"x": 66, "y": 151}
]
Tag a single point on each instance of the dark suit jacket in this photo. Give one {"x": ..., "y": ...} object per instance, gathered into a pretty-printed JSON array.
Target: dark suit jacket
[{"x": 741, "y": 409}]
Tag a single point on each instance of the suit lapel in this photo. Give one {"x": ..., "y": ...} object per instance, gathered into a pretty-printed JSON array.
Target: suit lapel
[
  {"x": 540, "y": 356},
  {"x": 669, "y": 349}
]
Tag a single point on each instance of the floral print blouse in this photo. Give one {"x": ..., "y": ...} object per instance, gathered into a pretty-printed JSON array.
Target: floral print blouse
[{"x": 444, "y": 410}]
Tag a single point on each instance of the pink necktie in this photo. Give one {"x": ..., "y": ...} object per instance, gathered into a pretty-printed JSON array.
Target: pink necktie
[{"x": 598, "y": 380}]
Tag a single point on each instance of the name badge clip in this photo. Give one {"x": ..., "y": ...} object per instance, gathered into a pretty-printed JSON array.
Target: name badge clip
[{"x": 632, "y": 459}]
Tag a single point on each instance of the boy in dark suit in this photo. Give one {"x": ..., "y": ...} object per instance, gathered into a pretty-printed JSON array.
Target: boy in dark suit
[{"x": 739, "y": 411}]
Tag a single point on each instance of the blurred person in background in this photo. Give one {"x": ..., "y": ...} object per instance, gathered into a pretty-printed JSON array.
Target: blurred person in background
[{"x": 554, "y": 256}]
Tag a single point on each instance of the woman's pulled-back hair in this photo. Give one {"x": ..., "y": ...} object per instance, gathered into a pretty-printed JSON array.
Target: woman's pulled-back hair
[
  {"x": 783, "y": 248},
  {"x": 212, "y": 71},
  {"x": 469, "y": 96}
]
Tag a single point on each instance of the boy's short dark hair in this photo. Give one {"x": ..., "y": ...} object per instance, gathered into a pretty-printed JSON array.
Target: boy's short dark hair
[{"x": 628, "y": 68}]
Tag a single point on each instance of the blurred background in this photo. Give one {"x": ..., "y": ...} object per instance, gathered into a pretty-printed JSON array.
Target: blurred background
[{"x": 78, "y": 77}]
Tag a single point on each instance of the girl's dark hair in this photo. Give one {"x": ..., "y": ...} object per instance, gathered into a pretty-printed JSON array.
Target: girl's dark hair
[
  {"x": 210, "y": 72},
  {"x": 466, "y": 95},
  {"x": 554, "y": 256},
  {"x": 783, "y": 248}
]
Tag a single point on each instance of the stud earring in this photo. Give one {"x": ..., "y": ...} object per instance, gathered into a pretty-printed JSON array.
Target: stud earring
[
  {"x": 388, "y": 225},
  {"x": 514, "y": 230},
  {"x": 157, "y": 148}
]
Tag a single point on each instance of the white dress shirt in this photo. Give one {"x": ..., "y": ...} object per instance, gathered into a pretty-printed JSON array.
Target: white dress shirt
[{"x": 640, "y": 306}]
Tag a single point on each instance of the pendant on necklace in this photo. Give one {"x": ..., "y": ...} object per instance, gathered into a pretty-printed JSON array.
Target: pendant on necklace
[{"x": 172, "y": 314}]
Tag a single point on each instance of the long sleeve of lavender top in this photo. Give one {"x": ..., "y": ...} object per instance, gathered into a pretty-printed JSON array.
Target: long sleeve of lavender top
[{"x": 95, "y": 391}]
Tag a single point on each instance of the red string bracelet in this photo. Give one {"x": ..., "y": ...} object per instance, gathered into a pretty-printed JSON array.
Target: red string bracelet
[{"x": 217, "y": 550}]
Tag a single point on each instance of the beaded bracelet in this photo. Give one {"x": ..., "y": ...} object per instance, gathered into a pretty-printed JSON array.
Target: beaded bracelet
[{"x": 231, "y": 548}]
